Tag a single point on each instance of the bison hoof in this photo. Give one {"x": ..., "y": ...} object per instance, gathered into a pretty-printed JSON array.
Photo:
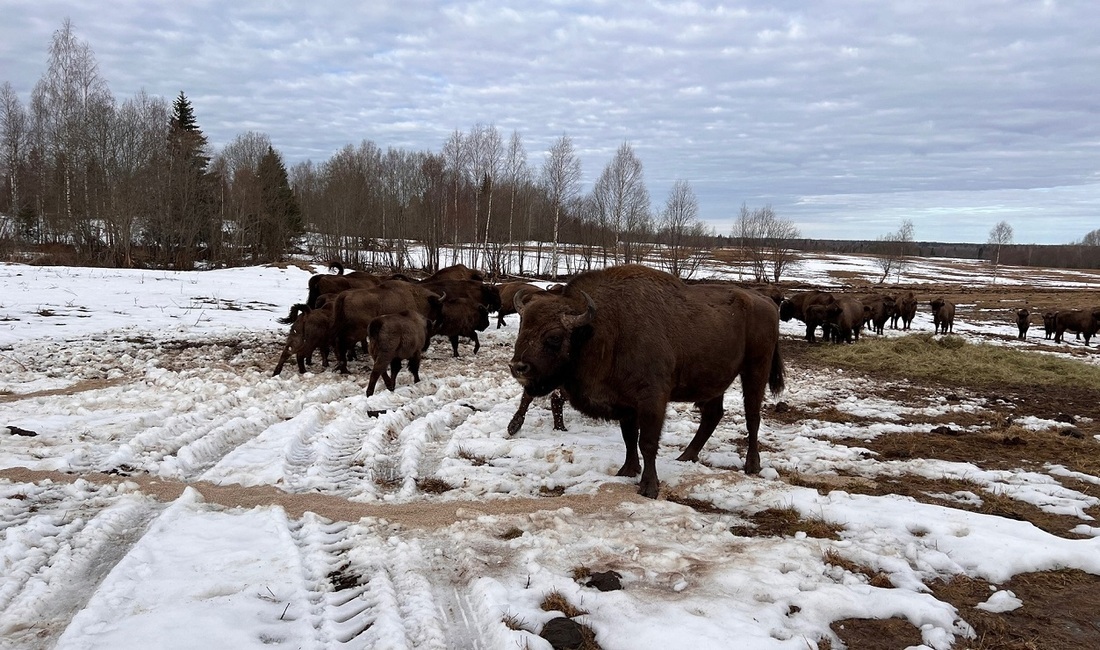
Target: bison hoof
[
  {"x": 514, "y": 426},
  {"x": 689, "y": 455},
  {"x": 627, "y": 470},
  {"x": 752, "y": 467},
  {"x": 648, "y": 490}
]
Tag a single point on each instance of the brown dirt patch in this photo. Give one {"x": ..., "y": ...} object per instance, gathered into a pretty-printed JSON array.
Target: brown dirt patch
[
  {"x": 877, "y": 634},
  {"x": 78, "y": 387}
]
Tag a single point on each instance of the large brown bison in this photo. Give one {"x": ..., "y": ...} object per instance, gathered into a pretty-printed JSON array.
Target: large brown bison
[
  {"x": 508, "y": 292},
  {"x": 394, "y": 337},
  {"x": 795, "y": 305},
  {"x": 1085, "y": 323},
  {"x": 311, "y": 330},
  {"x": 624, "y": 341},
  {"x": 455, "y": 272},
  {"x": 354, "y": 311},
  {"x": 476, "y": 290},
  {"x": 943, "y": 315}
]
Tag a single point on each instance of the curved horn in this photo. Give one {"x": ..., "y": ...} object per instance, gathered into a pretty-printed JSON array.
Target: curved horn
[
  {"x": 571, "y": 321},
  {"x": 517, "y": 300}
]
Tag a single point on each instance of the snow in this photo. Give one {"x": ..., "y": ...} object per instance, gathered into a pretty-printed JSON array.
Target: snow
[{"x": 166, "y": 375}]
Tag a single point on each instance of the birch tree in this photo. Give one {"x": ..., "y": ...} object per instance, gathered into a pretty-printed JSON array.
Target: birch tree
[{"x": 561, "y": 177}]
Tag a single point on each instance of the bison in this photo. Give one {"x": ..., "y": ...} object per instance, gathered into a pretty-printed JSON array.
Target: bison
[
  {"x": 880, "y": 309},
  {"x": 1048, "y": 322},
  {"x": 845, "y": 318},
  {"x": 905, "y": 308},
  {"x": 508, "y": 292},
  {"x": 625, "y": 341},
  {"x": 354, "y": 311},
  {"x": 311, "y": 329},
  {"x": 943, "y": 315},
  {"x": 461, "y": 317},
  {"x": 1085, "y": 323},
  {"x": 394, "y": 337},
  {"x": 321, "y": 285},
  {"x": 795, "y": 307},
  {"x": 1023, "y": 321}
]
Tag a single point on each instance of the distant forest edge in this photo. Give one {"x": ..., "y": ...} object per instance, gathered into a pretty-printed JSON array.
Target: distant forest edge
[{"x": 1055, "y": 256}]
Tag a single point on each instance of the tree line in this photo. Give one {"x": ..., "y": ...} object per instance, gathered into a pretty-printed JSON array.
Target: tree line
[{"x": 136, "y": 183}]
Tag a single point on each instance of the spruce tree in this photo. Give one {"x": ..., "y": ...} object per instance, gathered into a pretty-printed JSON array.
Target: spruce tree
[
  {"x": 281, "y": 218},
  {"x": 190, "y": 222}
]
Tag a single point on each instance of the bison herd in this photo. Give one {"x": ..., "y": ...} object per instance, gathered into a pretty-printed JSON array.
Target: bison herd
[{"x": 618, "y": 343}]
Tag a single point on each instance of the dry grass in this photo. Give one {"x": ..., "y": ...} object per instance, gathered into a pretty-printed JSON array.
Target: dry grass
[
  {"x": 432, "y": 485},
  {"x": 874, "y": 578},
  {"x": 952, "y": 359},
  {"x": 786, "y": 522},
  {"x": 555, "y": 601}
]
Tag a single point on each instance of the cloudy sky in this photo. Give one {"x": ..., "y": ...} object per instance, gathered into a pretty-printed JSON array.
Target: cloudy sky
[{"x": 846, "y": 116}]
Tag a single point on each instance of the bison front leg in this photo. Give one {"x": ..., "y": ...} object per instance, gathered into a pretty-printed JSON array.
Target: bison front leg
[
  {"x": 414, "y": 368},
  {"x": 391, "y": 380},
  {"x": 710, "y": 415},
  {"x": 477, "y": 343},
  {"x": 521, "y": 413},
  {"x": 649, "y": 441},
  {"x": 557, "y": 403},
  {"x": 454, "y": 346}
]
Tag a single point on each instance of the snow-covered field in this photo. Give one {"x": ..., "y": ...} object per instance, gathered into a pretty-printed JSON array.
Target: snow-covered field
[{"x": 151, "y": 391}]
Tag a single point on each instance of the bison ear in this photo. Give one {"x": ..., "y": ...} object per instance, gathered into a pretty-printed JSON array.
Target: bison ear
[{"x": 572, "y": 321}]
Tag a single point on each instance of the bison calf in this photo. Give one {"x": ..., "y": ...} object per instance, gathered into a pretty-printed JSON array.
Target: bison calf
[{"x": 394, "y": 337}]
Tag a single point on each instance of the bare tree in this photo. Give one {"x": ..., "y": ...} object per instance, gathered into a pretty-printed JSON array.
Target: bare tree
[
  {"x": 561, "y": 177},
  {"x": 14, "y": 139},
  {"x": 682, "y": 232},
  {"x": 518, "y": 177},
  {"x": 894, "y": 250},
  {"x": 1000, "y": 235},
  {"x": 623, "y": 201},
  {"x": 1091, "y": 238},
  {"x": 486, "y": 153},
  {"x": 764, "y": 239}
]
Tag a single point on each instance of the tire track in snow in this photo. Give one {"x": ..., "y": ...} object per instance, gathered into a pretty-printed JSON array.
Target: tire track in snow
[{"x": 54, "y": 558}]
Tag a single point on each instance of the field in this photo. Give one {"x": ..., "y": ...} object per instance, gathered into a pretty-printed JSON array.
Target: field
[{"x": 159, "y": 488}]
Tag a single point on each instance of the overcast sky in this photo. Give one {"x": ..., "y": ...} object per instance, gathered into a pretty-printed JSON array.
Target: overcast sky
[{"x": 846, "y": 116}]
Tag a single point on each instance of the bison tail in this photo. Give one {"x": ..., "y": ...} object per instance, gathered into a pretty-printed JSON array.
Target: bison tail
[
  {"x": 374, "y": 328},
  {"x": 293, "y": 315},
  {"x": 775, "y": 377}
]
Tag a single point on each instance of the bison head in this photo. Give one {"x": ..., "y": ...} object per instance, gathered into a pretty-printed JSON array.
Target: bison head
[
  {"x": 936, "y": 304},
  {"x": 551, "y": 326}
]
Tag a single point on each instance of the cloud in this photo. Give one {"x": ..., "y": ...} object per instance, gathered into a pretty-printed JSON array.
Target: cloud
[{"x": 775, "y": 103}]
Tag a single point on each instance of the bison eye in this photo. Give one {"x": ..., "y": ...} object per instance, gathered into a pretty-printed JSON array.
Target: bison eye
[{"x": 552, "y": 343}]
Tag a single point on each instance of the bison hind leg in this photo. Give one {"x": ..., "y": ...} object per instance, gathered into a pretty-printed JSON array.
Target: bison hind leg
[
  {"x": 391, "y": 380},
  {"x": 632, "y": 466},
  {"x": 711, "y": 413}
]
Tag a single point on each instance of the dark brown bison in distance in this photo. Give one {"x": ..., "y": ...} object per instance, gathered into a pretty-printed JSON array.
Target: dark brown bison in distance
[
  {"x": 1085, "y": 323},
  {"x": 476, "y": 290},
  {"x": 1049, "y": 317},
  {"x": 311, "y": 330},
  {"x": 322, "y": 285},
  {"x": 461, "y": 317},
  {"x": 393, "y": 338},
  {"x": 818, "y": 316},
  {"x": 1023, "y": 321},
  {"x": 624, "y": 341},
  {"x": 943, "y": 316},
  {"x": 508, "y": 291},
  {"x": 794, "y": 306},
  {"x": 354, "y": 310},
  {"x": 455, "y": 272},
  {"x": 905, "y": 308},
  {"x": 845, "y": 318},
  {"x": 335, "y": 265},
  {"x": 879, "y": 310}
]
